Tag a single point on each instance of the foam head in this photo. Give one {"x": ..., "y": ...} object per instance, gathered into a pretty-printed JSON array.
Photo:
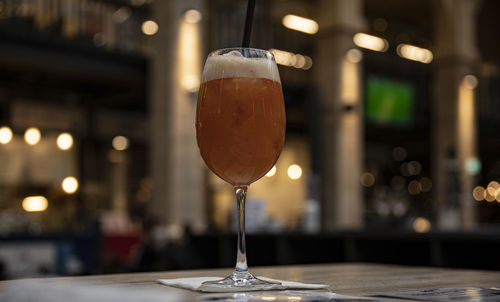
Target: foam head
[{"x": 234, "y": 65}]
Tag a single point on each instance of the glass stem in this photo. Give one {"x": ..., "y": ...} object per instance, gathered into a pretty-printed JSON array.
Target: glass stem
[{"x": 241, "y": 269}]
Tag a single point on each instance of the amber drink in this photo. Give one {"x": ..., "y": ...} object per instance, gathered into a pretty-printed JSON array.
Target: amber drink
[{"x": 240, "y": 126}]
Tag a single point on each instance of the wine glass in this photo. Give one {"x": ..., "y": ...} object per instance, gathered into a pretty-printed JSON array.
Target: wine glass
[{"x": 240, "y": 129}]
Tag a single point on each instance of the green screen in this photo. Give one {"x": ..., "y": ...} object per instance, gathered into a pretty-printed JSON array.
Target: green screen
[{"x": 389, "y": 102}]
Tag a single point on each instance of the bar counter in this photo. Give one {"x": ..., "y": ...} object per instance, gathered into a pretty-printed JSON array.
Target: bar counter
[{"x": 344, "y": 278}]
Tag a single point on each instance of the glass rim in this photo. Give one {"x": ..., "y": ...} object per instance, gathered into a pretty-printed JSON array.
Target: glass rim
[{"x": 214, "y": 53}]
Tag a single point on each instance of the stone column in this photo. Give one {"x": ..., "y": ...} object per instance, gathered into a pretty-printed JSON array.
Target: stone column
[
  {"x": 339, "y": 78},
  {"x": 454, "y": 114},
  {"x": 178, "y": 175}
]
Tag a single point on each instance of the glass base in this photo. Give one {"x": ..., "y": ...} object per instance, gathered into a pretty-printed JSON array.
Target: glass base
[{"x": 239, "y": 282}]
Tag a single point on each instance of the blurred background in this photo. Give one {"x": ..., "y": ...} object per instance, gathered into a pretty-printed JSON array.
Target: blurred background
[{"x": 391, "y": 146}]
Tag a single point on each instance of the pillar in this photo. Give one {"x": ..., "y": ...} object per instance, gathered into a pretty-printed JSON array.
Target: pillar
[
  {"x": 175, "y": 72},
  {"x": 455, "y": 129},
  {"x": 338, "y": 75}
]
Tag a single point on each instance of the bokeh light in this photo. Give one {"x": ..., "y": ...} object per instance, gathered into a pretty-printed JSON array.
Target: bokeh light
[
  {"x": 5, "y": 135},
  {"x": 492, "y": 189},
  {"x": 414, "y": 53},
  {"x": 414, "y": 167},
  {"x": 479, "y": 193},
  {"x": 367, "y": 179},
  {"x": 370, "y": 42},
  {"x": 403, "y": 169},
  {"x": 354, "y": 55},
  {"x": 421, "y": 225},
  {"x": 70, "y": 185},
  {"x": 192, "y": 16},
  {"x": 302, "y": 24},
  {"x": 64, "y": 141},
  {"x": 473, "y": 165},
  {"x": 150, "y": 27},
  {"x": 32, "y": 136},
  {"x": 490, "y": 195},
  {"x": 470, "y": 81},
  {"x": 294, "y": 172},
  {"x": 120, "y": 143},
  {"x": 414, "y": 187},
  {"x": 291, "y": 59},
  {"x": 35, "y": 204},
  {"x": 426, "y": 183},
  {"x": 122, "y": 14},
  {"x": 399, "y": 153},
  {"x": 271, "y": 172}
]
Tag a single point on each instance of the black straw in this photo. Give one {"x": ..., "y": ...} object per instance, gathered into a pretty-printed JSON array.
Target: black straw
[{"x": 248, "y": 23}]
